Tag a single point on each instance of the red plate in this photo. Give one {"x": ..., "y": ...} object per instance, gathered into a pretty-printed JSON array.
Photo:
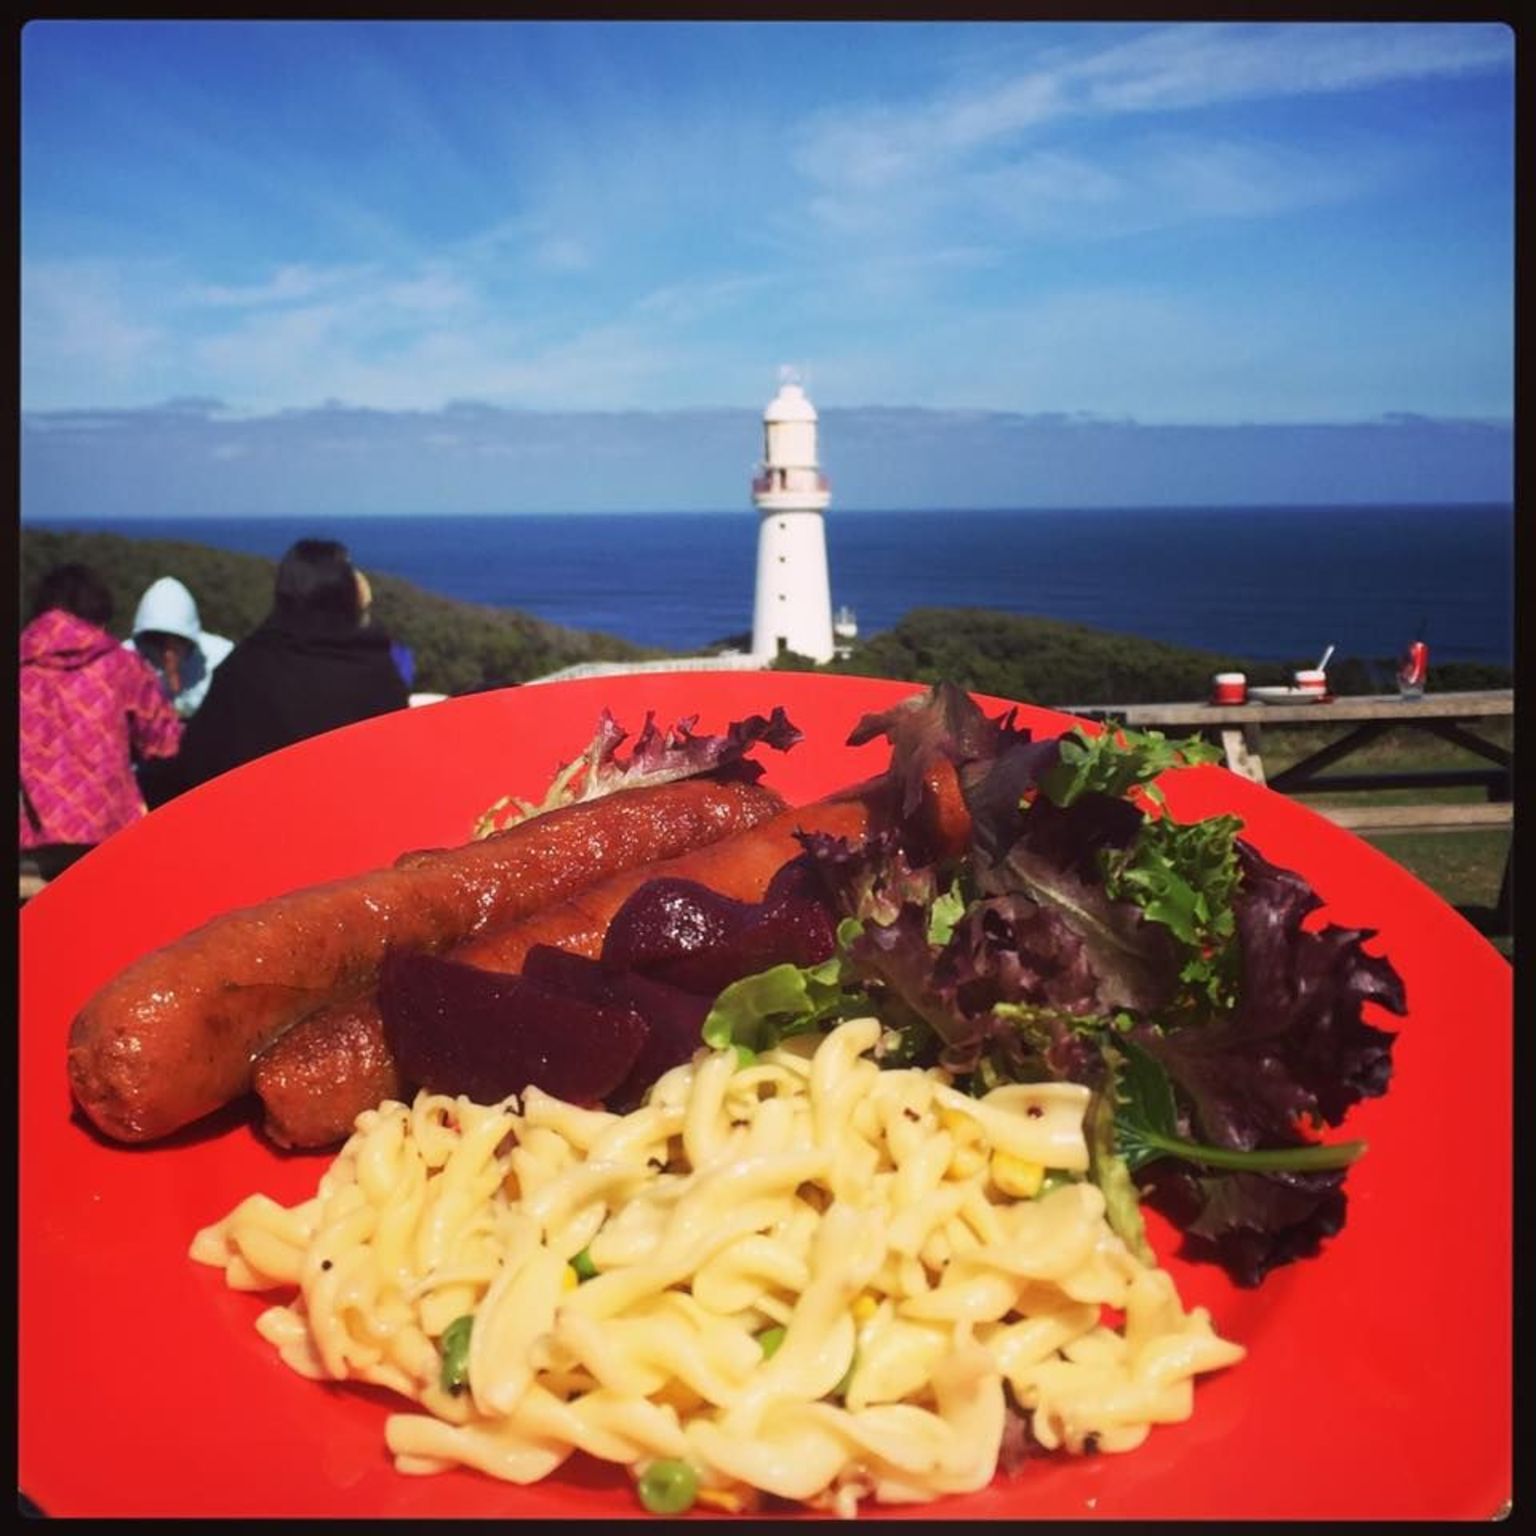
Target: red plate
[{"x": 1378, "y": 1380}]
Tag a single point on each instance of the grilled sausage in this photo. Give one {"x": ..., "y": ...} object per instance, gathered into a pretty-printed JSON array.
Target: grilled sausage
[
  {"x": 320, "y": 1076},
  {"x": 174, "y": 1035}
]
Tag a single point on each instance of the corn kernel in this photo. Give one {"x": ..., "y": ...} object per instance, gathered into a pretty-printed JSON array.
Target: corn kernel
[
  {"x": 570, "y": 1279},
  {"x": 966, "y": 1161},
  {"x": 962, "y": 1127},
  {"x": 865, "y": 1305},
  {"x": 1016, "y": 1177},
  {"x": 721, "y": 1498}
]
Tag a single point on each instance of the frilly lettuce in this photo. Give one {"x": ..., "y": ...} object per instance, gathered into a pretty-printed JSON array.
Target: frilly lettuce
[
  {"x": 1089, "y": 936},
  {"x": 656, "y": 757}
]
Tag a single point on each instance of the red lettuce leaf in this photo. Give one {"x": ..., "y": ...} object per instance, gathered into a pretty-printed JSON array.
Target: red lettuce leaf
[
  {"x": 870, "y": 880},
  {"x": 898, "y": 957},
  {"x": 1296, "y": 1049},
  {"x": 1055, "y": 861},
  {"x": 1249, "y": 1223},
  {"x": 1297, "y": 1045},
  {"x": 1009, "y": 949},
  {"x": 657, "y": 757},
  {"x": 943, "y": 723},
  {"x": 1022, "y": 974}
]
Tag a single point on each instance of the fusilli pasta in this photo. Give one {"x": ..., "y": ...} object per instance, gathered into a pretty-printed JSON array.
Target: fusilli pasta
[{"x": 803, "y": 1276}]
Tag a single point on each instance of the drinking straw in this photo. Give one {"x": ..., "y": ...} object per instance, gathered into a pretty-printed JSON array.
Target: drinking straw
[{"x": 1322, "y": 666}]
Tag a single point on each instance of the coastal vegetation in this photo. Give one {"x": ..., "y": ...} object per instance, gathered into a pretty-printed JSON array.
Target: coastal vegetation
[
  {"x": 459, "y": 647},
  {"x": 1048, "y": 661}
]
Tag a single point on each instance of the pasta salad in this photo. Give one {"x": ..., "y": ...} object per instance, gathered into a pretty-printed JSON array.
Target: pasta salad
[{"x": 788, "y": 1274}]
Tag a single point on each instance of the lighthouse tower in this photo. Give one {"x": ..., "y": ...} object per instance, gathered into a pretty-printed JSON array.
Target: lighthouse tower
[{"x": 793, "y": 606}]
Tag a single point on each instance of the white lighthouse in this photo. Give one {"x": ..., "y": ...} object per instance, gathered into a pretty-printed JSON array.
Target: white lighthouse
[{"x": 793, "y": 606}]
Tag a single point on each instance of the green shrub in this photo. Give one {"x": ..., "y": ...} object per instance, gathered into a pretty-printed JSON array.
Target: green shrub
[
  {"x": 1034, "y": 660},
  {"x": 1047, "y": 661},
  {"x": 463, "y": 646},
  {"x": 458, "y": 646}
]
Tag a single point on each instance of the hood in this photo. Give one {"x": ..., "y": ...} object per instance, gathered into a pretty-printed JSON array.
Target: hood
[
  {"x": 167, "y": 606},
  {"x": 60, "y": 640}
]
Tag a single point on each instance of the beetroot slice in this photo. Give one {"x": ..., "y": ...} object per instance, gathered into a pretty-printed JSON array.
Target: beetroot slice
[
  {"x": 558, "y": 970},
  {"x": 675, "y": 1018},
  {"x": 456, "y": 1029},
  {"x": 667, "y": 922},
  {"x": 684, "y": 934}
]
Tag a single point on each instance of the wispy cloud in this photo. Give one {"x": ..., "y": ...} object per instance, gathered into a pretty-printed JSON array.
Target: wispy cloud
[
  {"x": 288, "y": 284},
  {"x": 677, "y": 302},
  {"x": 77, "y": 310},
  {"x": 1195, "y": 65},
  {"x": 1175, "y": 68},
  {"x": 1002, "y": 215},
  {"x": 562, "y": 253},
  {"x": 402, "y": 337},
  {"x": 994, "y": 148}
]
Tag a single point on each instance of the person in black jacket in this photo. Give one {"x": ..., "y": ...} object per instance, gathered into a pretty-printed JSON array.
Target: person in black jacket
[{"x": 310, "y": 666}]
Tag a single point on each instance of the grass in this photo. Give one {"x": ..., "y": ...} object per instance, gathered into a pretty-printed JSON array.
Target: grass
[{"x": 1463, "y": 868}]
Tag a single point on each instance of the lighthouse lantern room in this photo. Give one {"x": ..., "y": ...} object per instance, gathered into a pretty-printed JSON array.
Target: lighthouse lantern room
[{"x": 793, "y": 606}]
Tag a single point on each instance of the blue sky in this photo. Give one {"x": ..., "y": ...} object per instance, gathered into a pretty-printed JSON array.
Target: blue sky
[{"x": 1164, "y": 224}]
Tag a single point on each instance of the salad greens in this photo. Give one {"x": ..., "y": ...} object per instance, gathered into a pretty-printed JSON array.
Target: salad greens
[
  {"x": 1089, "y": 936},
  {"x": 655, "y": 757}
]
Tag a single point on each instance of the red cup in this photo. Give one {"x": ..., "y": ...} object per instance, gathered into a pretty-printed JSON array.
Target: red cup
[
  {"x": 1229, "y": 688},
  {"x": 1310, "y": 680}
]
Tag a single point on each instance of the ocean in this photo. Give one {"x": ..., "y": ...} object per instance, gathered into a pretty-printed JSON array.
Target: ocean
[{"x": 1265, "y": 583}]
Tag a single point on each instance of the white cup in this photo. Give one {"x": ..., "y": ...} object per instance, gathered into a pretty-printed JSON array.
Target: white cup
[{"x": 1310, "y": 680}]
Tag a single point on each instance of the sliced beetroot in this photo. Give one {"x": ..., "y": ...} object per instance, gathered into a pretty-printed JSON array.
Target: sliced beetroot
[
  {"x": 557, "y": 970},
  {"x": 454, "y": 1028},
  {"x": 674, "y": 1018},
  {"x": 675, "y": 1030},
  {"x": 666, "y": 922},
  {"x": 684, "y": 934},
  {"x": 606, "y": 1029},
  {"x": 798, "y": 912}
]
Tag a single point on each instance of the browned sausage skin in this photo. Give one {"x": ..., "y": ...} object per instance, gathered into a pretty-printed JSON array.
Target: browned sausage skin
[
  {"x": 320, "y": 1076},
  {"x": 317, "y": 1078},
  {"x": 310, "y": 1077},
  {"x": 174, "y": 1035}
]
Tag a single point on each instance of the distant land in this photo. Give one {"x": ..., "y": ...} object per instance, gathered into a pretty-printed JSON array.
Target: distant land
[
  {"x": 460, "y": 647},
  {"x": 197, "y": 458}
]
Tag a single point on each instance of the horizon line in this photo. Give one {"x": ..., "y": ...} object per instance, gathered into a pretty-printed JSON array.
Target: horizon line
[{"x": 1393, "y": 504}]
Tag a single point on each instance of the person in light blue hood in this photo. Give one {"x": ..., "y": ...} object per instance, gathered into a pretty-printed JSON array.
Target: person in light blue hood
[{"x": 169, "y": 635}]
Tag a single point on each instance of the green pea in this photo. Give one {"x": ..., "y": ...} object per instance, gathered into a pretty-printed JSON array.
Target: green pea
[
  {"x": 1054, "y": 1181},
  {"x": 770, "y": 1339},
  {"x": 745, "y": 1055},
  {"x": 583, "y": 1265},
  {"x": 668, "y": 1487},
  {"x": 454, "y": 1346}
]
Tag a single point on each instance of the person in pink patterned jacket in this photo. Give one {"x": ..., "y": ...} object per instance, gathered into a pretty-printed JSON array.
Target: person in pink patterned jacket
[{"x": 89, "y": 709}]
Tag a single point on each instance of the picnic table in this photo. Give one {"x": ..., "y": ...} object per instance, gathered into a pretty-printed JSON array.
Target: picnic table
[{"x": 1462, "y": 719}]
